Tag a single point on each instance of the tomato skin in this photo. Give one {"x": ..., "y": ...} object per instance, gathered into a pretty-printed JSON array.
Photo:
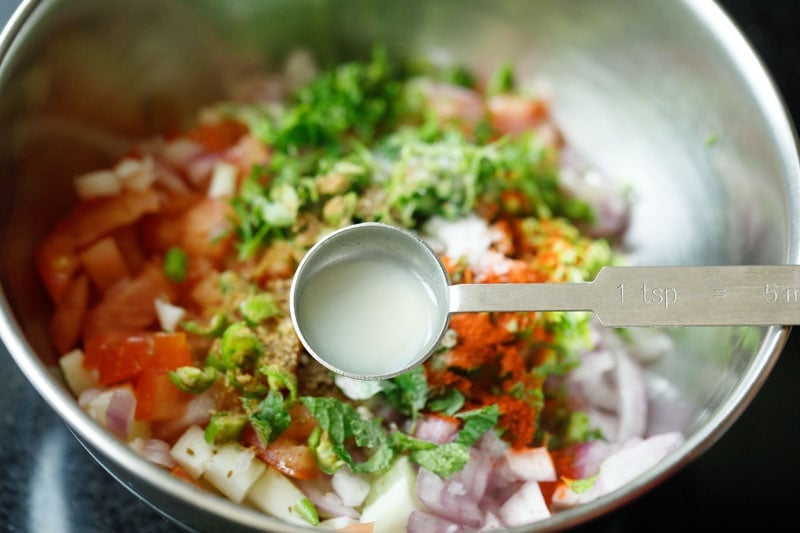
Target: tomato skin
[{"x": 285, "y": 454}]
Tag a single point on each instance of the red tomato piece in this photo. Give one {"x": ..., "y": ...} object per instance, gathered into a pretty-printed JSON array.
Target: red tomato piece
[
  {"x": 128, "y": 305},
  {"x": 65, "y": 327},
  {"x": 285, "y": 454},
  {"x": 170, "y": 351},
  {"x": 57, "y": 260},
  {"x": 218, "y": 136},
  {"x": 104, "y": 263},
  {"x": 118, "y": 356},
  {"x": 157, "y": 397}
]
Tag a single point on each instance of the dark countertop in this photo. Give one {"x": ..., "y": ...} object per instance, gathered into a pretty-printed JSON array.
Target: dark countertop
[{"x": 48, "y": 483}]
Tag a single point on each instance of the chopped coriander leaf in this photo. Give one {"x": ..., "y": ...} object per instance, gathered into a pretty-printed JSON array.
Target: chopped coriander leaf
[
  {"x": 503, "y": 80},
  {"x": 476, "y": 423},
  {"x": 449, "y": 403},
  {"x": 175, "y": 264}
]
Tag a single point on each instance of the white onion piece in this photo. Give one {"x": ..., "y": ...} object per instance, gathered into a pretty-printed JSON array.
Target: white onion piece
[
  {"x": 97, "y": 184},
  {"x": 419, "y": 522},
  {"x": 200, "y": 168},
  {"x": 223, "y": 180},
  {"x": 351, "y": 488},
  {"x": 621, "y": 467},
  {"x": 474, "y": 477},
  {"x": 632, "y": 410},
  {"x": 154, "y": 450},
  {"x": 169, "y": 315},
  {"x": 526, "y": 505},
  {"x": 181, "y": 151},
  {"x": 169, "y": 180},
  {"x": 120, "y": 411},
  {"x": 531, "y": 464},
  {"x": 437, "y": 429},
  {"x": 449, "y": 500},
  {"x": 327, "y": 502},
  {"x": 648, "y": 344},
  {"x": 136, "y": 174},
  {"x": 595, "y": 382},
  {"x": 87, "y": 396}
]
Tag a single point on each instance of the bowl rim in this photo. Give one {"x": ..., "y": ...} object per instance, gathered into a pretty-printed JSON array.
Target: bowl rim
[{"x": 95, "y": 438}]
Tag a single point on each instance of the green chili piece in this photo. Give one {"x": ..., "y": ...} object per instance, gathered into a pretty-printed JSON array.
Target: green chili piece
[
  {"x": 175, "y": 264},
  {"x": 192, "y": 379},
  {"x": 258, "y": 308},
  {"x": 225, "y": 427}
]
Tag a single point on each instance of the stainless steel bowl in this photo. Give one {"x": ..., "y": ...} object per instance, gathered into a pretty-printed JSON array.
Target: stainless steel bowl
[{"x": 665, "y": 96}]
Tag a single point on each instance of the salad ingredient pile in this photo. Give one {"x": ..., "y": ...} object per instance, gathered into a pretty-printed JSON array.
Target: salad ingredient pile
[{"x": 170, "y": 279}]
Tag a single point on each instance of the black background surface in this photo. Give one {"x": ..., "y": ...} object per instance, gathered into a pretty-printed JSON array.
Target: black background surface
[{"x": 748, "y": 479}]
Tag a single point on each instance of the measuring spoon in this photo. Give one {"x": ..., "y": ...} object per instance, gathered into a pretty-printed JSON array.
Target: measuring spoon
[{"x": 370, "y": 301}]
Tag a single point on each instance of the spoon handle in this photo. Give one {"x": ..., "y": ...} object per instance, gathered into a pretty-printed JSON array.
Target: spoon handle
[{"x": 654, "y": 296}]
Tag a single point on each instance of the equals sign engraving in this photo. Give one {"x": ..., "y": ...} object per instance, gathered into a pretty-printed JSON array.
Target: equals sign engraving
[{"x": 719, "y": 293}]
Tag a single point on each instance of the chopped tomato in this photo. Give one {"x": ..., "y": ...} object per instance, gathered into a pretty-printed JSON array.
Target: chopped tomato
[
  {"x": 286, "y": 454},
  {"x": 128, "y": 305},
  {"x": 218, "y": 136},
  {"x": 65, "y": 326},
  {"x": 207, "y": 229},
  {"x": 57, "y": 258},
  {"x": 157, "y": 397},
  {"x": 118, "y": 356},
  {"x": 104, "y": 263},
  {"x": 170, "y": 351}
]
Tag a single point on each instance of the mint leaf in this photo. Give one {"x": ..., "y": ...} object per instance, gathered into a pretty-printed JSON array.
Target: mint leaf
[
  {"x": 341, "y": 422},
  {"x": 269, "y": 418},
  {"x": 407, "y": 392}
]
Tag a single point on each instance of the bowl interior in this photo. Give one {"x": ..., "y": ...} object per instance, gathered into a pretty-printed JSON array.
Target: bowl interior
[{"x": 664, "y": 97}]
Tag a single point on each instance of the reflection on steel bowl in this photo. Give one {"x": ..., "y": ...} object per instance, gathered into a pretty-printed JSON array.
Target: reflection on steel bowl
[{"x": 157, "y": 207}]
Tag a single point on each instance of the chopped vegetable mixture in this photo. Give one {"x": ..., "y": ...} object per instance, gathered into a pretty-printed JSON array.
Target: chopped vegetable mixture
[{"x": 170, "y": 281}]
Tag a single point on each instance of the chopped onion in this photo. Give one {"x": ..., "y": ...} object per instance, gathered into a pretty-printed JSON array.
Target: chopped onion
[
  {"x": 531, "y": 464},
  {"x": 136, "y": 174},
  {"x": 181, "y": 151},
  {"x": 449, "y": 500},
  {"x": 169, "y": 315},
  {"x": 351, "y": 488},
  {"x": 633, "y": 459},
  {"x": 526, "y": 505},
  {"x": 437, "y": 429},
  {"x": 223, "y": 180},
  {"x": 328, "y": 503},
  {"x": 97, "y": 184},
  {"x": 632, "y": 410},
  {"x": 119, "y": 414},
  {"x": 419, "y": 522},
  {"x": 154, "y": 450}
]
